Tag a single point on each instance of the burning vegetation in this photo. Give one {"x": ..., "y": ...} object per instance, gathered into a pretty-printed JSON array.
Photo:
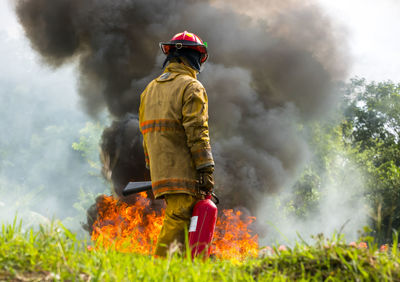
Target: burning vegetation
[
  {"x": 134, "y": 228},
  {"x": 127, "y": 228}
]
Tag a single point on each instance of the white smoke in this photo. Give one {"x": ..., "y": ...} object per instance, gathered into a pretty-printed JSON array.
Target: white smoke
[{"x": 40, "y": 174}]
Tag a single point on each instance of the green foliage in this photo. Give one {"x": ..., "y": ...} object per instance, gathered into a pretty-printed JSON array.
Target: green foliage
[
  {"x": 54, "y": 253},
  {"x": 88, "y": 144},
  {"x": 88, "y": 147},
  {"x": 371, "y": 129},
  {"x": 373, "y": 113},
  {"x": 356, "y": 152}
]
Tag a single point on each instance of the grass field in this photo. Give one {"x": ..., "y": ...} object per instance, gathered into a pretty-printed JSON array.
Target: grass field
[{"x": 53, "y": 253}]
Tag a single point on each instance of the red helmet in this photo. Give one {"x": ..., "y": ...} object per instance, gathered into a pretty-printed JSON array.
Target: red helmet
[{"x": 186, "y": 40}]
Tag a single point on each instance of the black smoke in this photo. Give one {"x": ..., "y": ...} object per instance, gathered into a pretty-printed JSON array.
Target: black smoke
[
  {"x": 272, "y": 65},
  {"x": 122, "y": 153}
]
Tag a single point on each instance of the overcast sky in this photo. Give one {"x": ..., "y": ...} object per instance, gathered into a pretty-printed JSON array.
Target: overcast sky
[{"x": 373, "y": 28}]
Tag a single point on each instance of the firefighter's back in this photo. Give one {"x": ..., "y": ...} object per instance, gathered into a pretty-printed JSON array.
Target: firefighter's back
[{"x": 171, "y": 165}]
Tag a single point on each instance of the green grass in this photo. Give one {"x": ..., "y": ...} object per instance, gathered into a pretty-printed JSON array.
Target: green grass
[{"x": 53, "y": 253}]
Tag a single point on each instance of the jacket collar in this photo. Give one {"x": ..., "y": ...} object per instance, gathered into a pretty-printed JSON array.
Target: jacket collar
[{"x": 180, "y": 68}]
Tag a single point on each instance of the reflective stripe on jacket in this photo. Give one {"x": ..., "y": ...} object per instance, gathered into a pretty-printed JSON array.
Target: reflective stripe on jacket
[{"x": 173, "y": 118}]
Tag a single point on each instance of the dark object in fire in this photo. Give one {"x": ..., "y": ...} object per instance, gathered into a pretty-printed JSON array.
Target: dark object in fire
[{"x": 136, "y": 187}]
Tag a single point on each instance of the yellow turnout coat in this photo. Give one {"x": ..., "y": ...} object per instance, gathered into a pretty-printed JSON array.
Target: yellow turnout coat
[{"x": 173, "y": 118}]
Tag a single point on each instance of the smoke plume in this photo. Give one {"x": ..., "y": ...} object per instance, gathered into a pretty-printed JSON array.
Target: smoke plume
[{"x": 272, "y": 64}]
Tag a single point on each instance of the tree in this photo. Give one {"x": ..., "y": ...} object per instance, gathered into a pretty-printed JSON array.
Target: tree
[{"x": 371, "y": 128}]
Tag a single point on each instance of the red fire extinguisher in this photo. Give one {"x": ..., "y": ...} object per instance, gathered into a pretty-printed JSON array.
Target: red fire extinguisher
[{"x": 202, "y": 225}]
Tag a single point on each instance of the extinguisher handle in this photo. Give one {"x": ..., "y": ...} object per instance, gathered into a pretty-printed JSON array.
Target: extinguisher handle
[{"x": 215, "y": 197}]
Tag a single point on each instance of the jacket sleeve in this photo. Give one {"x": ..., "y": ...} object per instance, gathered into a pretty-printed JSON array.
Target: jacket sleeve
[
  {"x": 146, "y": 154},
  {"x": 195, "y": 123}
]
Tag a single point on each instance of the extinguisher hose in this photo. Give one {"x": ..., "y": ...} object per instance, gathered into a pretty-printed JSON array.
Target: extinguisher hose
[{"x": 215, "y": 198}]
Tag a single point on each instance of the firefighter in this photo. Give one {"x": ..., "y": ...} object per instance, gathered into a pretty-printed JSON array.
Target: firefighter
[{"x": 173, "y": 118}]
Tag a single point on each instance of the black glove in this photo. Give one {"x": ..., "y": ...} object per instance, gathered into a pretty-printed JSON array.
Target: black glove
[{"x": 206, "y": 179}]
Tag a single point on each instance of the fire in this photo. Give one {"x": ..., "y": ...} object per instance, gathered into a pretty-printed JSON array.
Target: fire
[
  {"x": 135, "y": 228},
  {"x": 127, "y": 228},
  {"x": 232, "y": 238}
]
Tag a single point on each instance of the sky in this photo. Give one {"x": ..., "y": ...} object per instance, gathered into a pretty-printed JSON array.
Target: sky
[{"x": 373, "y": 29}]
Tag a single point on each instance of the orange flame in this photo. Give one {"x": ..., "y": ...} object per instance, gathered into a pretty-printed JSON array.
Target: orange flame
[
  {"x": 135, "y": 228},
  {"x": 232, "y": 239},
  {"x": 127, "y": 228}
]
